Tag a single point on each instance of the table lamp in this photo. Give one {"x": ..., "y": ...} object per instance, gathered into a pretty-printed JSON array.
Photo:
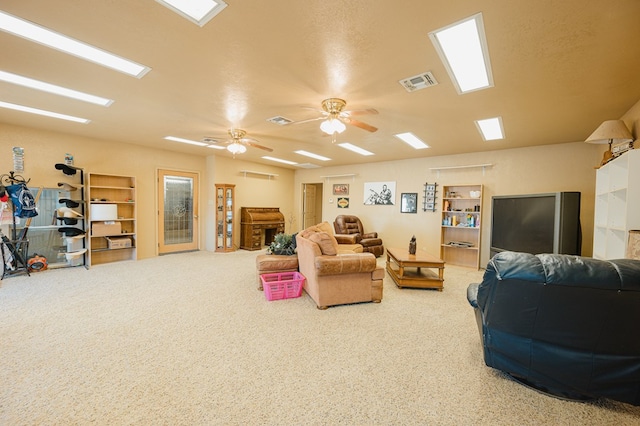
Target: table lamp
[{"x": 611, "y": 131}]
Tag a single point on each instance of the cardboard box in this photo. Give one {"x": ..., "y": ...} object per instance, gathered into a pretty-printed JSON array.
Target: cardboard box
[
  {"x": 119, "y": 242},
  {"x": 105, "y": 229},
  {"x": 104, "y": 212}
]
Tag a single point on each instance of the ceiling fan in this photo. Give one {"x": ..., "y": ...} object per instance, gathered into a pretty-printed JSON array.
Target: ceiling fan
[
  {"x": 335, "y": 117},
  {"x": 238, "y": 143}
]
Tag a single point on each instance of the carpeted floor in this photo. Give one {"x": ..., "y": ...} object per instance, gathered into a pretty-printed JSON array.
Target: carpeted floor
[{"x": 187, "y": 339}]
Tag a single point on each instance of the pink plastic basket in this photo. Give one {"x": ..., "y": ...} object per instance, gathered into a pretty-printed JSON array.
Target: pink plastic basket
[{"x": 282, "y": 285}]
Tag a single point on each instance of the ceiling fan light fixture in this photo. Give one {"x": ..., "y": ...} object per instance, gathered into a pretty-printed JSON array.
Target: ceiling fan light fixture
[
  {"x": 332, "y": 125},
  {"x": 237, "y": 148}
]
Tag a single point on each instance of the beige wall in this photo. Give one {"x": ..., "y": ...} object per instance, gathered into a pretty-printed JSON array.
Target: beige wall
[
  {"x": 44, "y": 149},
  {"x": 551, "y": 168}
]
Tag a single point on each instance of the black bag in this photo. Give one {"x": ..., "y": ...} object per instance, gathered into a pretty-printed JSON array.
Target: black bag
[{"x": 22, "y": 199}]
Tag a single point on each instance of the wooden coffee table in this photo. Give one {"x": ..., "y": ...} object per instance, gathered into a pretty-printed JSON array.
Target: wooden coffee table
[{"x": 421, "y": 266}]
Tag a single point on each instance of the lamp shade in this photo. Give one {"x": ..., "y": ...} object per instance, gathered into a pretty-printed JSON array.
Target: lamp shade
[
  {"x": 332, "y": 125},
  {"x": 236, "y": 148},
  {"x": 611, "y": 131}
]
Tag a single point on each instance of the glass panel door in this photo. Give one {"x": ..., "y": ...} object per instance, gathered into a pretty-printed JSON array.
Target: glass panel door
[{"x": 178, "y": 211}]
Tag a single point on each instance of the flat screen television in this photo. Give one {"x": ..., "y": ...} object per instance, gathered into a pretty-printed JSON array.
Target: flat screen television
[{"x": 536, "y": 223}]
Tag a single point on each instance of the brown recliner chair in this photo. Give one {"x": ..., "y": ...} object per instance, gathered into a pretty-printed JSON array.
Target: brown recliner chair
[{"x": 348, "y": 224}]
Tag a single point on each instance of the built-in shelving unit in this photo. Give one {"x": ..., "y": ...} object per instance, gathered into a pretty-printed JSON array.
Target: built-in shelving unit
[
  {"x": 112, "y": 215},
  {"x": 225, "y": 218},
  {"x": 617, "y": 205},
  {"x": 460, "y": 232}
]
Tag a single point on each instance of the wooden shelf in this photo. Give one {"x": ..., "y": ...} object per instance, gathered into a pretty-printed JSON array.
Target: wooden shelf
[
  {"x": 461, "y": 208},
  {"x": 120, "y": 191}
]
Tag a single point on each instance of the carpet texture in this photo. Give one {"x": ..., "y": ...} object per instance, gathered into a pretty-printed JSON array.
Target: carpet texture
[{"x": 187, "y": 339}]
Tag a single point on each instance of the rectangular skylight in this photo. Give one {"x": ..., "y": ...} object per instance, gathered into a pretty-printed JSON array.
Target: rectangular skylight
[
  {"x": 491, "y": 128},
  {"x": 412, "y": 140},
  {"x": 280, "y": 160},
  {"x": 46, "y": 37},
  {"x": 197, "y": 11},
  {"x": 312, "y": 155},
  {"x": 188, "y": 141},
  {"x": 355, "y": 149},
  {"x": 43, "y": 112},
  {"x": 52, "y": 88},
  {"x": 462, "y": 47}
]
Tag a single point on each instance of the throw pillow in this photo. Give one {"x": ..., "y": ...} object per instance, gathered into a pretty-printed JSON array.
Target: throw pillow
[
  {"x": 325, "y": 227},
  {"x": 328, "y": 244}
]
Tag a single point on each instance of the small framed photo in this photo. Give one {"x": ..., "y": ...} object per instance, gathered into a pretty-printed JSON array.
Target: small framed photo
[
  {"x": 429, "y": 207},
  {"x": 409, "y": 202},
  {"x": 343, "y": 202},
  {"x": 430, "y": 187},
  {"x": 341, "y": 189}
]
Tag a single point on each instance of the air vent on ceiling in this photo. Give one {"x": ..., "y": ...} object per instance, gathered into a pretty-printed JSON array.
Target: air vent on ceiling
[
  {"x": 280, "y": 120},
  {"x": 307, "y": 166},
  {"x": 420, "y": 81}
]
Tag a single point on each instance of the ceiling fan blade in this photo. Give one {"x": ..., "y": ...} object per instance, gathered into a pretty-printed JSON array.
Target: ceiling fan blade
[
  {"x": 360, "y": 124},
  {"x": 255, "y": 145},
  {"x": 360, "y": 112}
]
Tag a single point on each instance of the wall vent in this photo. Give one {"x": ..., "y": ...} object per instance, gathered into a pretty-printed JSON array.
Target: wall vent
[{"x": 420, "y": 81}]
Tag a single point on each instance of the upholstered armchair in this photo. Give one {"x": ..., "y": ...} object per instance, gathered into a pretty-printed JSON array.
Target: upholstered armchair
[
  {"x": 333, "y": 277},
  {"x": 348, "y": 224}
]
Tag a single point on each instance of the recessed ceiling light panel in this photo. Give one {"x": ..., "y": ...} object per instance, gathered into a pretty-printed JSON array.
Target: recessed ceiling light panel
[
  {"x": 491, "y": 128},
  {"x": 49, "y": 38},
  {"x": 43, "y": 112},
  {"x": 355, "y": 149},
  {"x": 312, "y": 155},
  {"x": 280, "y": 160},
  {"x": 197, "y": 11},
  {"x": 462, "y": 47},
  {"x": 412, "y": 140},
  {"x": 52, "y": 88},
  {"x": 187, "y": 141}
]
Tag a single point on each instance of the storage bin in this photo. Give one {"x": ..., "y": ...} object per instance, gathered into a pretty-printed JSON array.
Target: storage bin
[
  {"x": 118, "y": 242},
  {"x": 103, "y": 212},
  {"x": 282, "y": 285},
  {"x": 105, "y": 229}
]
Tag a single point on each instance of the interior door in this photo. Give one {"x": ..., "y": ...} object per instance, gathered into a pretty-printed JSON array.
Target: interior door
[
  {"x": 311, "y": 203},
  {"x": 177, "y": 211}
]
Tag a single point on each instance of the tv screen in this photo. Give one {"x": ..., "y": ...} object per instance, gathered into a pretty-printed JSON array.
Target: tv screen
[{"x": 524, "y": 224}]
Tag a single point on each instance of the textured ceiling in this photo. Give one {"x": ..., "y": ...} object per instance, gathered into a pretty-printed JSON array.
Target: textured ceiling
[{"x": 560, "y": 68}]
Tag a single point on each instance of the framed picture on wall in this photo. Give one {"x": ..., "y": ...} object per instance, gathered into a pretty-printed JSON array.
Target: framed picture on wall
[
  {"x": 409, "y": 202},
  {"x": 343, "y": 203},
  {"x": 379, "y": 193},
  {"x": 341, "y": 189}
]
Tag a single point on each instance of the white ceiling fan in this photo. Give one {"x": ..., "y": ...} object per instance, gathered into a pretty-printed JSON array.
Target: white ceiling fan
[{"x": 238, "y": 143}]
